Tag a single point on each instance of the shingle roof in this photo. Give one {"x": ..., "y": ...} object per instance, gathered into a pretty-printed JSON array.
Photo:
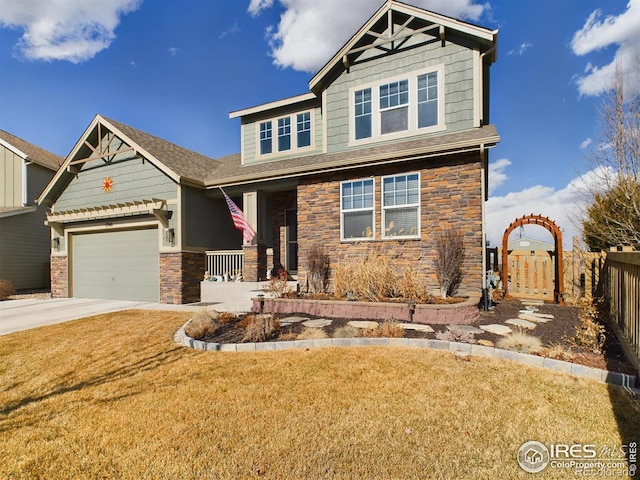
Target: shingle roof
[
  {"x": 183, "y": 162},
  {"x": 34, "y": 153},
  {"x": 231, "y": 171}
]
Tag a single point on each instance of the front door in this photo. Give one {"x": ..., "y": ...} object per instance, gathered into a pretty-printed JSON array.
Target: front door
[{"x": 291, "y": 240}]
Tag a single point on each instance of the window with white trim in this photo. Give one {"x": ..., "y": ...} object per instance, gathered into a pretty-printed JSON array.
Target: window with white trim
[
  {"x": 266, "y": 133},
  {"x": 357, "y": 210},
  {"x": 293, "y": 132},
  {"x": 404, "y": 105},
  {"x": 401, "y": 205}
]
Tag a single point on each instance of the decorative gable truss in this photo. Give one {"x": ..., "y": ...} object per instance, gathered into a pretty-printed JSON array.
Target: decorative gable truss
[{"x": 103, "y": 145}]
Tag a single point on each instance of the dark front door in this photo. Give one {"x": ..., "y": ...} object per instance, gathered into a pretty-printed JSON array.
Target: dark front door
[{"x": 291, "y": 240}]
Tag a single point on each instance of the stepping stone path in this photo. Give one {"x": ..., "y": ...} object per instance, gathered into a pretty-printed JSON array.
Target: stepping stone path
[
  {"x": 363, "y": 324},
  {"x": 497, "y": 329},
  {"x": 466, "y": 328},
  {"x": 285, "y": 322},
  {"x": 317, "y": 323},
  {"x": 519, "y": 322},
  {"x": 534, "y": 317},
  {"x": 418, "y": 327}
]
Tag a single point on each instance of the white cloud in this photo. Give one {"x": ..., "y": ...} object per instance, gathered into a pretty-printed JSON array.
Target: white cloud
[
  {"x": 173, "y": 51},
  {"x": 565, "y": 207},
  {"x": 598, "y": 33},
  {"x": 311, "y": 31},
  {"x": 71, "y": 30},
  {"x": 521, "y": 49},
  {"x": 586, "y": 143},
  {"x": 497, "y": 176}
]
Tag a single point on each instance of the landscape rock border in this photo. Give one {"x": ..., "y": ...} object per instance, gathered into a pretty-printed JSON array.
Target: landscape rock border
[{"x": 461, "y": 349}]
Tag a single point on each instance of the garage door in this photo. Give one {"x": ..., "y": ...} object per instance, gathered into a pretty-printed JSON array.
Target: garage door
[{"x": 116, "y": 265}]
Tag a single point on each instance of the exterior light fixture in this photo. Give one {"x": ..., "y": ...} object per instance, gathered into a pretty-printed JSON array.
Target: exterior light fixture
[
  {"x": 56, "y": 244},
  {"x": 170, "y": 237}
]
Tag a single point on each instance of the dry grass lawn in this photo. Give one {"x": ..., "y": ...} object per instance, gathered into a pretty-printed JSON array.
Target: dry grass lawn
[{"x": 113, "y": 397}]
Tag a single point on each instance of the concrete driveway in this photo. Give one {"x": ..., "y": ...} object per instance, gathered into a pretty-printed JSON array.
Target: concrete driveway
[{"x": 23, "y": 314}]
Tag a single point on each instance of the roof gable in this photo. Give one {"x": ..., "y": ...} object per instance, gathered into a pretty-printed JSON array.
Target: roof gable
[
  {"x": 30, "y": 152},
  {"x": 391, "y": 28},
  {"x": 106, "y": 140}
]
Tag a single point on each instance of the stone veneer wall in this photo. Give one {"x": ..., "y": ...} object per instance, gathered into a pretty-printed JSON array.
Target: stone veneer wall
[
  {"x": 450, "y": 195},
  {"x": 59, "y": 277},
  {"x": 180, "y": 276}
]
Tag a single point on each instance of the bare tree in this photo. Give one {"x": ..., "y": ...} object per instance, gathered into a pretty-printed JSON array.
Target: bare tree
[
  {"x": 612, "y": 216},
  {"x": 450, "y": 253},
  {"x": 317, "y": 263}
]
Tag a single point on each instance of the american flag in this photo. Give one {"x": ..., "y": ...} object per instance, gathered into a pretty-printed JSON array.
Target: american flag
[{"x": 240, "y": 221}]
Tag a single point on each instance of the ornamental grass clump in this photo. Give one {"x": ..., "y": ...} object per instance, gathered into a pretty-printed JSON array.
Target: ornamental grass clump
[
  {"x": 204, "y": 324},
  {"x": 312, "y": 334},
  {"x": 261, "y": 328},
  {"x": 369, "y": 278},
  {"x": 387, "y": 329},
  {"x": 520, "y": 341},
  {"x": 346, "y": 331}
]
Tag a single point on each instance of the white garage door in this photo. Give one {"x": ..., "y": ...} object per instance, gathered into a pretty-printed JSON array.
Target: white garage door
[{"x": 119, "y": 265}]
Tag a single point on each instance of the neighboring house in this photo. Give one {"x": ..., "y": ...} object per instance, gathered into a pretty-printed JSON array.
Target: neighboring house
[
  {"x": 25, "y": 170},
  {"x": 389, "y": 147}
]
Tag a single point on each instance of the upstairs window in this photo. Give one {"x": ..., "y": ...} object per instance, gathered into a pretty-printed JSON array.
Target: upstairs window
[
  {"x": 266, "y": 135},
  {"x": 292, "y": 132},
  {"x": 394, "y": 107},
  {"x": 356, "y": 210},
  {"x": 284, "y": 134},
  {"x": 405, "y": 105},
  {"x": 401, "y": 205},
  {"x": 303, "y": 129},
  {"x": 363, "y": 113}
]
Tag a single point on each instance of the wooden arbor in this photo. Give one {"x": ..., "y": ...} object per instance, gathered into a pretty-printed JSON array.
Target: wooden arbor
[{"x": 532, "y": 219}]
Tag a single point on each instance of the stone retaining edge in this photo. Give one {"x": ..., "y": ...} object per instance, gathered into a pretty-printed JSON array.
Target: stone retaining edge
[{"x": 605, "y": 376}]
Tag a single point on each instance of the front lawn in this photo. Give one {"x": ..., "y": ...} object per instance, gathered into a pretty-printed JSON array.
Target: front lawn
[{"x": 114, "y": 397}]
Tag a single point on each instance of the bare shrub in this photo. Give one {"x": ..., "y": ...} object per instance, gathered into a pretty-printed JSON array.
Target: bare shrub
[
  {"x": 6, "y": 289},
  {"x": 346, "y": 331},
  {"x": 201, "y": 326},
  {"x": 454, "y": 333},
  {"x": 590, "y": 334},
  {"x": 317, "y": 263},
  {"x": 261, "y": 328},
  {"x": 520, "y": 341},
  {"x": 312, "y": 334},
  {"x": 450, "y": 253},
  {"x": 387, "y": 329},
  {"x": 279, "y": 284}
]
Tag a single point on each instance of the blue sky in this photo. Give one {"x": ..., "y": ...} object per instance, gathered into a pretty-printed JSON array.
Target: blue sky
[{"x": 176, "y": 70}]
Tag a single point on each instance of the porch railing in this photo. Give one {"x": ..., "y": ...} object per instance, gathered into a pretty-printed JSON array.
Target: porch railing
[{"x": 221, "y": 262}]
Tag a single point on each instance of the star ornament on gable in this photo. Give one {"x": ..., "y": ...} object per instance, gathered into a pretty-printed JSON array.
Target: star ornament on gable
[{"x": 107, "y": 184}]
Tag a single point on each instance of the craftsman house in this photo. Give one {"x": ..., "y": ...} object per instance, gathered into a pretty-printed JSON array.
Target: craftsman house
[
  {"x": 388, "y": 147},
  {"x": 25, "y": 169}
]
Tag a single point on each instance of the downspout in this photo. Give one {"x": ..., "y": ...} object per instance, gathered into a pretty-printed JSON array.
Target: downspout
[{"x": 483, "y": 190}]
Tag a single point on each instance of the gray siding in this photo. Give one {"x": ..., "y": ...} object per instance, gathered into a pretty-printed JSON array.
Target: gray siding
[
  {"x": 133, "y": 179},
  {"x": 250, "y": 137},
  {"x": 208, "y": 222},
  {"x": 24, "y": 250},
  {"x": 458, "y": 86},
  {"x": 37, "y": 179},
  {"x": 10, "y": 178}
]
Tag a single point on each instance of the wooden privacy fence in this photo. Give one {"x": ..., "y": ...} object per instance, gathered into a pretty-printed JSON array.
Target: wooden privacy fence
[{"x": 622, "y": 288}]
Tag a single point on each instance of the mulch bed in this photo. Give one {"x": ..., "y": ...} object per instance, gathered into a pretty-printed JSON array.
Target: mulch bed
[{"x": 558, "y": 332}]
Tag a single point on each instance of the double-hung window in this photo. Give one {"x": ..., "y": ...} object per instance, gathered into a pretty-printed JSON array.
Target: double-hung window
[
  {"x": 394, "y": 107},
  {"x": 266, "y": 134},
  {"x": 357, "y": 210},
  {"x": 303, "y": 129},
  {"x": 401, "y": 205},
  {"x": 363, "y": 113},
  {"x": 427, "y": 100},
  {"x": 284, "y": 134}
]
